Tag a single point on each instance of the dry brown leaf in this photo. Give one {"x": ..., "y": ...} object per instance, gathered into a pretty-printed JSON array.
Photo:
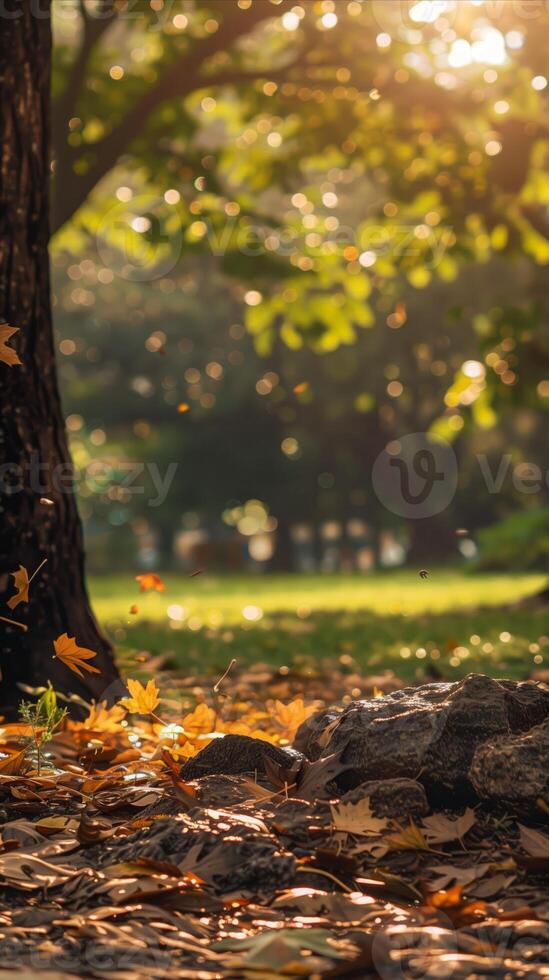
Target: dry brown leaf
[
  {"x": 73, "y": 656},
  {"x": 142, "y": 700},
  {"x": 534, "y": 842},
  {"x": 12, "y": 761},
  {"x": 7, "y": 354},
  {"x": 357, "y": 818},
  {"x": 439, "y": 829},
  {"x": 150, "y": 581}
]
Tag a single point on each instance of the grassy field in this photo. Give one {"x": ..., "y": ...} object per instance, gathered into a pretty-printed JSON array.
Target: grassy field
[{"x": 449, "y": 624}]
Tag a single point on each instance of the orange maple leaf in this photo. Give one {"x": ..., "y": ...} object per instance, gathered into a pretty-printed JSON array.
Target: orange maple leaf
[
  {"x": 7, "y": 354},
  {"x": 22, "y": 581},
  {"x": 73, "y": 656},
  {"x": 301, "y": 387},
  {"x": 143, "y": 700},
  {"x": 150, "y": 580}
]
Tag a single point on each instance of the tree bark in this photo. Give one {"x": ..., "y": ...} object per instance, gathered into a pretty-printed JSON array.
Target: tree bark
[{"x": 38, "y": 513}]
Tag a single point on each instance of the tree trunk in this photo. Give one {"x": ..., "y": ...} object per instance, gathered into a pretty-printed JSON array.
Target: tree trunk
[{"x": 39, "y": 518}]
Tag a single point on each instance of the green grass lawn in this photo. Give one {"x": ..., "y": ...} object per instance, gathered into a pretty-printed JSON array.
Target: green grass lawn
[{"x": 451, "y": 623}]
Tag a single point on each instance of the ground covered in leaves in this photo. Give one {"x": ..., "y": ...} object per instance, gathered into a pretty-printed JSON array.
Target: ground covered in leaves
[{"x": 143, "y": 846}]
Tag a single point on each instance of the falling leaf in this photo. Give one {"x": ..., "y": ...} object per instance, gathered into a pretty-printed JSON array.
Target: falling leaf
[
  {"x": 134, "y": 610},
  {"x": 47, "y": 502},
  {"x": 439, "y": 829},
  {"x": 7, "y": 354},
  {"x": 73, "y": 656},
  {"x": 357, "y": 818},
  {"x": 22, "y": 581},
  {"x": 183, "y": 407},
  {"x": 149, "y": 581},
  {"x": 143, "y": 700},
  {"x": 423, "y": 573},
  {"x": 461, "y": 532},
  {"x": 199, "y": 571},
  {"x": 301, "y": 387}
]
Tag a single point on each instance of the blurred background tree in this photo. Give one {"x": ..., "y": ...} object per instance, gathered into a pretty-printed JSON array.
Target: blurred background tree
[{"x": 365, "y": 181}]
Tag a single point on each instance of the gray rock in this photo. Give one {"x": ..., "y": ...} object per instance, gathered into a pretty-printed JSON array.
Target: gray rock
[
  {"x": 430, "y": 733},
  {"x": 310, "y": 733},
  {"x": 399, "y": 799},
  {"x": 235, "y": 755},
  {"x": 515, "y": 769}
]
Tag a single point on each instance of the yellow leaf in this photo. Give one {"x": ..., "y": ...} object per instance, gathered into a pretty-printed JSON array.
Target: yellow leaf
[
  {"x": 407, "y": 838},
  {"x": 102, "y": 719},
  {"x": 290, "y": 716},
  {"x": 7, "y": 354},
  {"x": 143, "y": 700},
  {"x": 73, "y": 656},
  {"x": 201, "y": 721},
  {"x": 150, "y": 580},
  {"x": 357, "y": 818}
]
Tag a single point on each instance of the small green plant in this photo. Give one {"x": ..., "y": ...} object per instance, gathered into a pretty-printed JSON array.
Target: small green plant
[{"x": 44, "y": 717}]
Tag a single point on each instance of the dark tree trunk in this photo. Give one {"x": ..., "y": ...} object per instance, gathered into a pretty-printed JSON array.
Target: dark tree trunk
[{"x": 34, "y": 459}]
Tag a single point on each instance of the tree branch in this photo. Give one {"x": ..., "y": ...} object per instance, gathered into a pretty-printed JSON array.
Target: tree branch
[{"x": 180, "y": 80}]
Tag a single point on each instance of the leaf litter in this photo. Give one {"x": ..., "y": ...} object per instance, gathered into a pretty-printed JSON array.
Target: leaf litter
[{"x": 112, "y": 864}]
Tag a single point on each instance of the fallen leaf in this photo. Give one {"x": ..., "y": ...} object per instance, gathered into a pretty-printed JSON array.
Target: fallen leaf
[
  {"x": 408, "y": 838},
  {"x": 73, "y": 656},
  {"x": 53, "y": 825},
  {"x": 357, "y": 818},
  {"x": 102, "y": 719},
  {"x": 439, "y": 829},
  {"x": 534, "y": 842},
  {"x": 290, "y": 716},
  {"x": 7, "y": 354},
  {"x": 150, "y": 581},
  {"x": 12, "y": 760},
  {"x": 143, "y": 700}
]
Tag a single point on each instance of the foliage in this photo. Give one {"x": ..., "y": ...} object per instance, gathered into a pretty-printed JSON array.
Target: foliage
[
  {"x": 520, "y": 541},
  {"x": 329, "y": 187}
]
